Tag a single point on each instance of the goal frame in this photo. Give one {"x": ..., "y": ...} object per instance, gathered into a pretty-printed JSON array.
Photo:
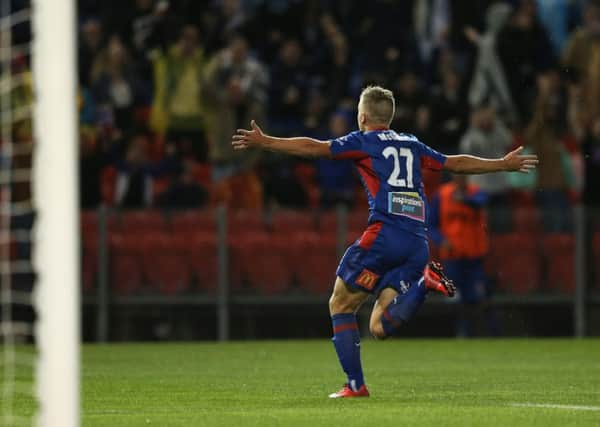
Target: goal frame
[{"x": 56, "y": 246}]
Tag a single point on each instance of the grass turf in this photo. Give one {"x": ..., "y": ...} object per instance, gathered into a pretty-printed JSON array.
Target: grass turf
[{"x": 412, "y": 382}]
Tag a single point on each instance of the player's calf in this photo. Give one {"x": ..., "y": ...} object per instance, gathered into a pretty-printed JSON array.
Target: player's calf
[{"x": 346, "y": 338}]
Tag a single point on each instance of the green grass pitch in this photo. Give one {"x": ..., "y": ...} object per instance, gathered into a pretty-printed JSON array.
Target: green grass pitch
[{"x": 412, "y": 383}]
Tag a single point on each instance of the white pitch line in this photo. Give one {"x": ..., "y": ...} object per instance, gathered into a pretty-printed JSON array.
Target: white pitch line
[{"x": 556, "y": 406}]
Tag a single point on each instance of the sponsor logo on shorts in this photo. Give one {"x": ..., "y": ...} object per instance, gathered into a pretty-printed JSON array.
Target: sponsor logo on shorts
[{"x": 367, "y": 279}]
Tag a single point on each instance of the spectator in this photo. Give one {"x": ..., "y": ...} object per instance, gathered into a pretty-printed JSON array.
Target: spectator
[
  {"x": 184, "y": 192},
  {"x": 584, "y": 43},
  {"x": 458, "y": 226},
  {"x": 431, "y": 22},
  {"x": 287, "y": 94},
  {"x": 179, "y": 98},
  {"x": 582, "y": 62},
  {"x": 449, "y": 111},
  {"x": 545, "y": 135},
  {"x": 90, "y": 44},
  {"x": 489, "y": 84},
  {"x": 591, "y": 151},
  {"x": 487, "y": 136},
  {"x": 134, "y": 181},
  {"x": 556, "y": 15},
  {"x": 336, "y": 67},
  {"x": 93, "y": 158},
  {"x": 334, "y": 175},
  {"x": 409, "y": 97},
  {"x": 373, "y": 35},
  {"x": 136, "y": 173},
  {"x": 423, "y": 128},
  {"x": 524, "y": 51},
  {"x": 116, "y": 86},
  {"x": 149, "y": 27},
  {"x": 236, "y": 87},
  {"x": 226, "y": 20}
]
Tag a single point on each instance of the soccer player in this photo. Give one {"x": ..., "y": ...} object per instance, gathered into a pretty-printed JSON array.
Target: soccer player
[{"x": 390, "y": 259}]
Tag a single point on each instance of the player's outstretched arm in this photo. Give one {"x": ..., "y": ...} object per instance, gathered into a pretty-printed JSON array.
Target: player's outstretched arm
[
  {"x": 512, "y": 162},
  {"x": 255, "y": 138}
]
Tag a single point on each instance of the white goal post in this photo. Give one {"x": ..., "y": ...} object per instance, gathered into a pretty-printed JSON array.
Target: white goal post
[{"x": 55, "y": 192}]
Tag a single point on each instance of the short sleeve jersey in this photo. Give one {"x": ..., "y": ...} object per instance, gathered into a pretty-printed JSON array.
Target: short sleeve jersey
[{"x": 390, "y": 166}]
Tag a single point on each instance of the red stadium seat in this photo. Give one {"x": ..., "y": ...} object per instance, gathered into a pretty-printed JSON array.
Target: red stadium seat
[
  {"x": 559, "y": 253},
  {"x": 357, "y": 224},
  {"x": 514, "y": 260},
  {"x": 285, "y": 221},
  {"x": 313, "y": 261},
  {"x": 125, "y": 263},
  {"x": 259, "y": 259},
  {"x": 527, "y": 219},
  {"x": 245, "y": 221},
  {"x": 202, "y": 258},
  {"x": 89, "y": 260},
  {"x": 194, "y": 221},
  {"x": 141, "y": 222},
  {"x": 328, "y": 222},
  {"x": 164, "y": 262},
  {"x": 89, "y": 249},
  {"x": 355, "y": 227},
  {"x": 596, "y": 254},
  {"x": 89, "y": 221},
  {"x": 108, "y": 182}
]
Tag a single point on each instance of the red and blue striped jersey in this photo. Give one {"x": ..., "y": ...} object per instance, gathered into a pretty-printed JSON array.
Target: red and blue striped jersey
[{"x": 390, "y": 165}]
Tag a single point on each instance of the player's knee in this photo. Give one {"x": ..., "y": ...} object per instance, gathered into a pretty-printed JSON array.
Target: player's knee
[{"x": 339, "y": 304}]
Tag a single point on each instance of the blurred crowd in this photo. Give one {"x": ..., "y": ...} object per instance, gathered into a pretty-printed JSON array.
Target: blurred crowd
[{"x": 164, "y": 84}]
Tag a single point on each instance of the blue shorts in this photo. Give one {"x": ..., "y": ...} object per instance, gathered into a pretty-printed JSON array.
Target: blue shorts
[{"x": 384, "y": 257}]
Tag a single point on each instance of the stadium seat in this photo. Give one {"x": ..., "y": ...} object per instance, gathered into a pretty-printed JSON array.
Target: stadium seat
[
  {"x": 108, "y": 182},
  {"x": 160, "y": 186},
  {"x": 357, "y": 223},
  {"x": 514, "y": 261},
  {"x": 313, "y": 261},
  {"x": 89, "y": 221},
  {"x": 194, "y": 221},
  {"x": 202, "y": 173},
  {"x": 527, "y": 219},
  {"x": 596, "y": 255},
  {"x": 259, "y": 261},
  {"x": 163, "y": 262},
  {"x": 89, "y": 259},
  {"x": 141, "y": 222},
  {"x": 201, "y": 255},
  {"x": 245, "y": 221},
  {"x": 289, "y": 221},
  {"x": 558, "y": 250},
  {"x": 125, "y": 263},
  {"x": 89, "y": 249}
]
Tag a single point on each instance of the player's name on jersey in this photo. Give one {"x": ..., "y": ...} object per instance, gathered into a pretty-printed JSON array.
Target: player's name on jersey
[{"x": 393, "y": 136}]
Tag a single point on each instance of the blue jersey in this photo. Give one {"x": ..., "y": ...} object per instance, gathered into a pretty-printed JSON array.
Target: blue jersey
[{"x": 390, "y": 167}]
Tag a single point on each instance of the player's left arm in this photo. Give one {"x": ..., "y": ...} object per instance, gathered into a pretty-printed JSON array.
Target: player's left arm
[
  {"x": 512, "y": 162},
  {"x": 301, "y": 146}
]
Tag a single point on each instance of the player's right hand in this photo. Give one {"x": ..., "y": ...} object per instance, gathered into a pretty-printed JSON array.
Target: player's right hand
[
  {"x": 244, "y": 138},
  {"x": 517, "y": 162}
]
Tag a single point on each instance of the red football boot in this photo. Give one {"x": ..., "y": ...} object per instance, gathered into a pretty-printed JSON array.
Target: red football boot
[
  {"x": 346, "y": 391},
  {"x": 436, "y": 280}
]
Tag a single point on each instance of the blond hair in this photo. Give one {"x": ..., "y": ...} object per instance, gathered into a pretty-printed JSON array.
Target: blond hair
[{"x": 378, "y": 104}]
